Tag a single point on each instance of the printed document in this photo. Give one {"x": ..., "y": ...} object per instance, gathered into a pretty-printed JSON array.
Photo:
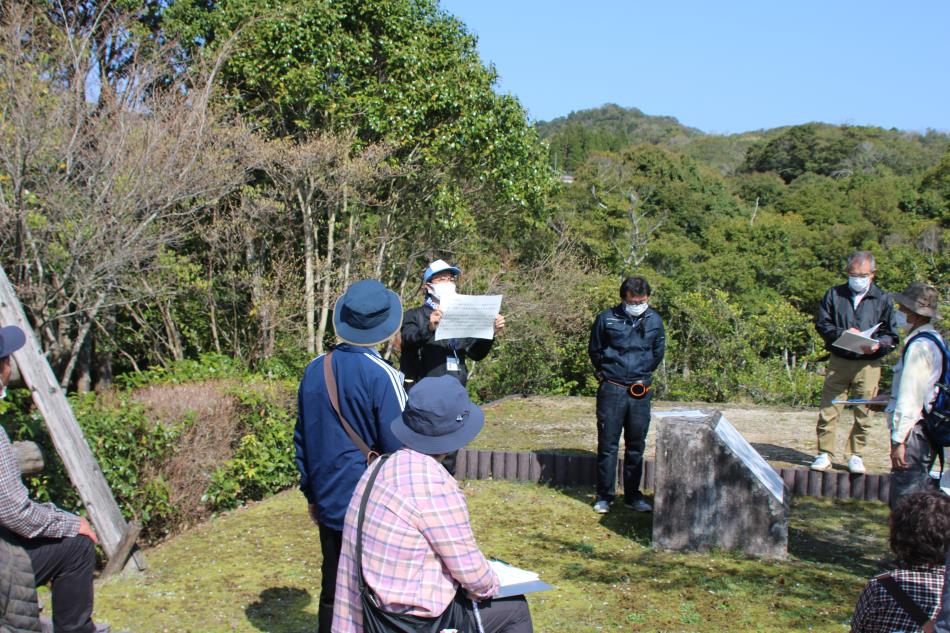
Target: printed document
[
  {"x": 468, "y": 316},
  {"x": 854, "y": 341},
  {"x": 515, "y": 581}
]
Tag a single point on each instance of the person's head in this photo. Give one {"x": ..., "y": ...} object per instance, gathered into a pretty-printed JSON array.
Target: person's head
[
  {"x": 440, "y": 278},
  {"x": 12, "y": 338},
  {"x": 920, "y": 528},
  {"x": 439, "y": 418},
  {"x": 860, "y": 270},
  {"x": 367, "y": 314},
  {"x": 917, "y": 304},
  {"x": 635, "y": 295}
]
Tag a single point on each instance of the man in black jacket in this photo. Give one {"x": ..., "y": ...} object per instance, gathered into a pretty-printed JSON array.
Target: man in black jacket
[
  {"x": 856, "y": 306},
  {"x": 627, "y": 343},
  {"x": 421, "y": 355}
]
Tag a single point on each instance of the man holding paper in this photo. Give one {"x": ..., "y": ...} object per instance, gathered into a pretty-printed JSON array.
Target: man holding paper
[
  {"x": 864, "y": 312},
  {"x": 424, "y": 353}
]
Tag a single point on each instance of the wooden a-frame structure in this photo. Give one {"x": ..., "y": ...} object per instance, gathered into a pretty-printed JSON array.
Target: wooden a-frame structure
[{"x": 115, "y": 535}]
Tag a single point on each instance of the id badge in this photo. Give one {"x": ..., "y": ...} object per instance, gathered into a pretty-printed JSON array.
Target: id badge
[{"x": 451, "y": 364}]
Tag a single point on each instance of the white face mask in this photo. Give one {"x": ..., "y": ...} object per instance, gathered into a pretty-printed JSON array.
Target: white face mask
[
  {"x": 635, "y": 310},
  {"x": 442, "y": 289},
  {"x": 858, "y": 284}
]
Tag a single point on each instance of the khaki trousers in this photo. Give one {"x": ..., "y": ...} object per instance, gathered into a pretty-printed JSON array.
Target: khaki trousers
[{"x": 847, "y": 379}]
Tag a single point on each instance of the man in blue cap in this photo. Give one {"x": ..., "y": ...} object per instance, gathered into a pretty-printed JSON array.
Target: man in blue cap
[
  {"x": 421, "y": 355},
  {"x": 368, "y": 394},
  {"x": 61, "y": 546}
]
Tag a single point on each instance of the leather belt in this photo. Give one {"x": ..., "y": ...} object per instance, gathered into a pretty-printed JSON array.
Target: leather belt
[{"x": 636, "y": 390}]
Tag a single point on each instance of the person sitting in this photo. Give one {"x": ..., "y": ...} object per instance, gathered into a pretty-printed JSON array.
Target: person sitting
[
  {"x": 61, "y": 546},
  {"x": 419, "y": 555},
  {"x": 907, "y": 599}
]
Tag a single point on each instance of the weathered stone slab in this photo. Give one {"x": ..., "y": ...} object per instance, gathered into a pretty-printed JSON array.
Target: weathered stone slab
[{"x": 713, "y": 490}]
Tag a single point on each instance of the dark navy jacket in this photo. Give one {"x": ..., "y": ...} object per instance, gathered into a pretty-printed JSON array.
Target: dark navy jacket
[
  {"x": 422, "y": 356},
  {"x": 371, "y": 397},
  {"x": 627, "y": 349},
  {"x": 836, "y": 314}
]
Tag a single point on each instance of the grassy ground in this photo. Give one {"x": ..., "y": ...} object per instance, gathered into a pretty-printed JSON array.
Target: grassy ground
[
  {"x": 783, "y": 436},
  {"x": 258, "y": 569}
]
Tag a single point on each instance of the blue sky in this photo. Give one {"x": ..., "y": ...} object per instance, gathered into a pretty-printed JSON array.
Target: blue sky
[{"x": 726, "y": 66}]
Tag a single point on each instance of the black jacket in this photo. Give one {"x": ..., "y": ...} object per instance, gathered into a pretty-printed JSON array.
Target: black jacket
[
  {"x": 627, "y": 349},
  {"x": 836, "y": 314},
  {"x": 423, "y": 356}
]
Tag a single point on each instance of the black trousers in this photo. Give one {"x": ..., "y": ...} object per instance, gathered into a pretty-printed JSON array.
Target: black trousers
[
  {"x": 505, "y": 615},
  {"x": 67, "y": 565},
  {"x": 331, "y": 542},
  {"x": 618, "y": 412},
  {"x": 919, "y": 455}
]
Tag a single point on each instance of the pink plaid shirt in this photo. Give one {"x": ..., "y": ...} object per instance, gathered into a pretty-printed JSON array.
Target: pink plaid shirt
[{"x": 418, "y": 545}]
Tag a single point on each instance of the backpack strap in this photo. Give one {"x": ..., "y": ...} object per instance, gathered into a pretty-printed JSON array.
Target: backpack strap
[
  {"x": 941, "y": 345},
  {"x": 906, "y": 603},
  {"x": 332, "y": 391}
]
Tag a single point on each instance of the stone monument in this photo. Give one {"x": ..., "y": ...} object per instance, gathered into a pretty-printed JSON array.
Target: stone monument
[{"x": 713, "y": 490}]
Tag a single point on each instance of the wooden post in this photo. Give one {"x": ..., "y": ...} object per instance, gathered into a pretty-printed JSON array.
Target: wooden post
[{"x": 67, "y": 436}]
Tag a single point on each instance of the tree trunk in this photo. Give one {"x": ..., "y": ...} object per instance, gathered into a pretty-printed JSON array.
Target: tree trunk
[
  {"x": 309, "y": 262},
  {"x": 327, "y": 272}
]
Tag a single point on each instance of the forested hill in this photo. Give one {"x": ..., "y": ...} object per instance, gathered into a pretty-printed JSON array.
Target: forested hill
[{"x": 610, "y": 128}]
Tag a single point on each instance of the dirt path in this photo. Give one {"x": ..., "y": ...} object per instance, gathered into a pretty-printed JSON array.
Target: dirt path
[{"x": 784, "y": 436}]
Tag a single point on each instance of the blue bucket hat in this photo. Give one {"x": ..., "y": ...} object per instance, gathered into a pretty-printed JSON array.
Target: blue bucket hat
[
  {"x": 12, "y": 338},
  {"x": 367, "y": 313},
  {"x": 438, "y": 266},
  {"x": 439, "y": 417}
]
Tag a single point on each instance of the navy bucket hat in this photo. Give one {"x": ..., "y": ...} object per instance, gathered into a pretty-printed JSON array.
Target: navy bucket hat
[
  {"x": 12, "y": 338},
  {"x": 367, "y": 313},
  {"x": 439, "y": 417}
]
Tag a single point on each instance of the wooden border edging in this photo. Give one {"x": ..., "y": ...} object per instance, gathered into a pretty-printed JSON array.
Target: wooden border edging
[{"x": 572, "y": 469}]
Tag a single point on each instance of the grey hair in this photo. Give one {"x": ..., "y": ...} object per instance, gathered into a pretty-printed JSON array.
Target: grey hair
[{"x": 861, "y": 256}]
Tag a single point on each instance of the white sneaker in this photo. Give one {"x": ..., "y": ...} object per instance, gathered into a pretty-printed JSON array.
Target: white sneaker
[
  {"x": 856, "y": 465},
  {"x": 601, "y": 507},
  {"x": 822, "y": 462}
]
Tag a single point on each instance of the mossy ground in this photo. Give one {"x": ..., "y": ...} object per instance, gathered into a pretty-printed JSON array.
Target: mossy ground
[{"x": 258, "y": 569}]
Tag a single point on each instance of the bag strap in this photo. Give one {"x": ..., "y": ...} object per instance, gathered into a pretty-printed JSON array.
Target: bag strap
[
  {"x": 359, "y": 521},
  {"x": 332, "y": 391},
  {"x": 906, "y": 603},
  {"x": 941, "y": 345}
]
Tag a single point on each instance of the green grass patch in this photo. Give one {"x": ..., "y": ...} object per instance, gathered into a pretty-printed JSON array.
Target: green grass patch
[{"x": 258, "y": 569}]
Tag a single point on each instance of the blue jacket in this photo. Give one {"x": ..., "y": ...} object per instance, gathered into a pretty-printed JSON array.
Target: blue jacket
[
  {"x": 627, "y": 349},
  {"x": 371, "y": 397}
]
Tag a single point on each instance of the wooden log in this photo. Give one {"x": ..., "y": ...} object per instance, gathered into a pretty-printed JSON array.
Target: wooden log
[
  {"x": 547, "y": 467},
  {"x": 844, "y": 486},
  {"x": 871, "y": 485},
  {"x": 68, "y": 439},
  {"x": 534, "y": 468},
  {"x": 461, "y": 463},
  {"x": 788, "y": 477},
  {"x": 511, "y": 466},
  {"x": 814, "y": 483},
  {"x": 484, "y": 465},
  {"x": 121, "y": 556},
  {"x": 29, "y": 457},
  {"x": 829, "y": 484},
  {"x": 801, "y": 482},
  {"x": 524, "y": 466},
  {"x": 884, "y": 491},
  {"x": 498, "y": 465},
  {"x": 560, "y": 469},
  {"x": 857, "y": 486},
  {"x": 649, "y": 469}
]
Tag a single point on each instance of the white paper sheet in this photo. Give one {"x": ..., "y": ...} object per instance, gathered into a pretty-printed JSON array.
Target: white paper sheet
[{"x": 468, "y": 316}]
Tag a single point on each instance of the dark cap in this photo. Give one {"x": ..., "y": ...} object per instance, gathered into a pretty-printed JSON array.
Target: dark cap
[
  {"x": 920, "y": 299},
  {"x": 439, "y": 417},
  {"x": 12, "y": 338}
]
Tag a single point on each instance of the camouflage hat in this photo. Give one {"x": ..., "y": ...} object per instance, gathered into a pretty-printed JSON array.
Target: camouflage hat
[{"x": 920, "y": 299}]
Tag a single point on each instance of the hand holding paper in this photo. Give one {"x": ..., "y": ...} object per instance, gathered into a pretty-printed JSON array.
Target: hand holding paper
[{"x": 859, "y": 342}]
